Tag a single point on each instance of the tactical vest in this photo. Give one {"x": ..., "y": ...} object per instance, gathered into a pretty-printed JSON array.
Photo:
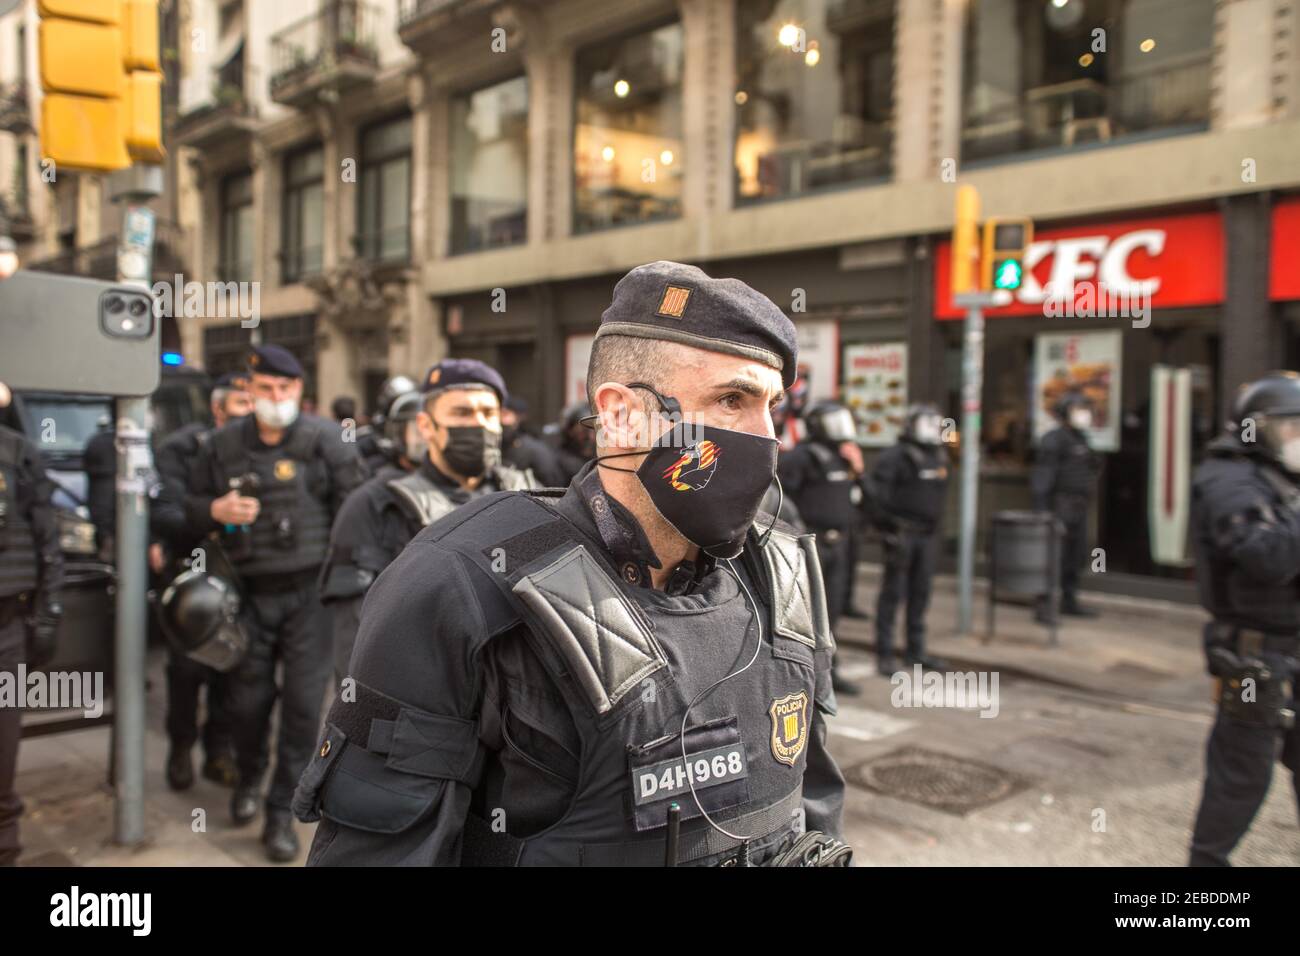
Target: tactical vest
[
  {"x": 1076, "y": 474},
  {"x": 291, "y": 532},
  {"x": 921, "y": 499},
  {"x": 827, "y": 502},
  {"x": 424, "y": 502},
  {"x": 628, "y": 661},
  {"x": 18, "y": 559}
]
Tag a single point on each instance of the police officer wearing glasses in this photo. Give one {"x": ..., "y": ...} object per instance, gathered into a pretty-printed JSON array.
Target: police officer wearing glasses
[
  {"x": 634, "y": 670},
  {"x": 1246, "y": 532}
]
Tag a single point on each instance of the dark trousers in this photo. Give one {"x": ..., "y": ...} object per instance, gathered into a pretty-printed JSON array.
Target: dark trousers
[
  {"x": 1074, "y": 555},
  {"x": 1238, "y": 770},
  {"x": 13, "y": 639},
  {"x": 909, "y": 571},
  {"x": 837, "y": 568},
  {"x": 289, "y": 628},
  {"x": 185, "y": 680}
]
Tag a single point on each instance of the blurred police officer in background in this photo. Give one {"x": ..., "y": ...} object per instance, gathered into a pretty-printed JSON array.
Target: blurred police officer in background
[
  {"x": 170, "y": 556},
  {"x": 374, "y": 449},
  {"x": 272, "y": 483},
  {"x": 448, "y": 441},
  {"x": 906, "y": 494},
  {"x": 821, "y": 476},
  {"x": 99, "y": 458},
  {"x": 1062, "y": 482},
  {"x": 525, "y": 451},
  {"x": 535, "y": 670},
  {"x": 576, "y": 443},
  {"x": 1246, "y": 533},
  {"x": 31, "y": 581}
]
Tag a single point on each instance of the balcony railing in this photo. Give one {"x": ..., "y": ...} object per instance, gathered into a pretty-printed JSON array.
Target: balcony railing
[
  {"x": 229, "y": 116},
  {"x": 334, "y": 45},
  {"x": 408, "y": 11},
  {"x": 16, "y": 211},
  {"x": 427, "y": 26}
]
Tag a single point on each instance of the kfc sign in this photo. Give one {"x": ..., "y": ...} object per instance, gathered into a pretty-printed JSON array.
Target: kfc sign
[{"x": 1171, "y": 261}]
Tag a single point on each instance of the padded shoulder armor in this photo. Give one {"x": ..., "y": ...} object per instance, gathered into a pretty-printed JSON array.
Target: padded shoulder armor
[
  {"x": 798, "y": 597},
  {"x": 420, "y": 498}
]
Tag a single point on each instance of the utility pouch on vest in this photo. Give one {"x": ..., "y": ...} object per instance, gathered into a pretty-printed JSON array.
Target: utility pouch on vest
[
  {"x": 815, "y": 849},
  {"x": 1258, "y": 694},
  {"x": 285, "y": 534},
  {"x": 715, "y": 765}
]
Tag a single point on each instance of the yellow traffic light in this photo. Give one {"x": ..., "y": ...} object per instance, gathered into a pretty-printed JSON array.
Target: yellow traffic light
[
  {"x": 965, "y": 240},
  {"x": 1002, "y": 264},
  {"x": 99, "y": 71}
]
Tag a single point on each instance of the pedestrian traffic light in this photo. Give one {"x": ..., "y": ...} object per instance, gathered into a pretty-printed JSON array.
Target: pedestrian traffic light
[
  {"x": 965, "y": 240},
  {"x": 1002, "y": 264},
  {"x": 103, "y": 92}
]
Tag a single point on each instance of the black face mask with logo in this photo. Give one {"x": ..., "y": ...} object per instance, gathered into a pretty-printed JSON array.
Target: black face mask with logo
[
  {"x": 707, "y": 482},
  {"x": 471, "y": 450}
]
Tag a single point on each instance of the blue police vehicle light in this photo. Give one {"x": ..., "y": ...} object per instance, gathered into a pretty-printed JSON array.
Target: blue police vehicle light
[{"x": 173, "y": 358}]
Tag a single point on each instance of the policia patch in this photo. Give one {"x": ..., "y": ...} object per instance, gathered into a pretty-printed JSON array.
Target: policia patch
[
  {"x": 285, "y": 469},
  {"x": 789, "y": 727}
]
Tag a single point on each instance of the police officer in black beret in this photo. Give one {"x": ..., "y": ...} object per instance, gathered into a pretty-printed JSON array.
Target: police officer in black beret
[
  {"x": 31, "y": 581},
  {"x": 176, "y": 542},
  {"x": 822, "y": 476},
  {"x": 907, "y": 489},
  {"x": 449, "y": 438},
  {"x": 1062, "y": 482},
  {"x": 1246, "y": 534},
  {"x": 270, "y": 484},
  {"x": 632, "y": 671}
]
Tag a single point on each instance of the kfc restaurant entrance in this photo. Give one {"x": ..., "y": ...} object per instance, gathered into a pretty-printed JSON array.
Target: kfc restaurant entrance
[{"x": 1130, "y": 311}]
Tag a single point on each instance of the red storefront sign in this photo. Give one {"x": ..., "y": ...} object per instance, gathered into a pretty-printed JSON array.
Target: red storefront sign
[
  {"x": 1284, "y": 251},
  {"x": 1176, "y": 260}
]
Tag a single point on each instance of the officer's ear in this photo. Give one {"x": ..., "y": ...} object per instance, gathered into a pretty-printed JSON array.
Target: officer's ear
[{"x": 620, "y": 418}]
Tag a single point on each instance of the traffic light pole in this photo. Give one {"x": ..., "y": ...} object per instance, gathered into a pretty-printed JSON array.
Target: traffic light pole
[
  {"x": 134, "y": 477},
  {"x": 972, "y": 390}
]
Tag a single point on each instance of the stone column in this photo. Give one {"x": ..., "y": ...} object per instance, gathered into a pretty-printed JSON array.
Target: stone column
[{"x": 708, "y": 112}]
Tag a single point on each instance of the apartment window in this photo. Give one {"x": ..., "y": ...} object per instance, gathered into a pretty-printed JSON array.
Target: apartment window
[
  {"x": 1054, "y": 74},
  {"x": 628, "y": 133},
  {"x": 236, "y": 263},
  {"x": 303, "y": 225},
  {"x": 384, "y": 210},
  {"x": 814, "y": 95},
  {"x": 489, "y": 167}
]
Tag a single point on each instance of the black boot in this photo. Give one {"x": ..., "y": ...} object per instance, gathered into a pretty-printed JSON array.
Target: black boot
[
  {"x": 279, "y": 837},
  {"x": 220, "y": 768},
  {"x": 886, "y": 666},
  {"x": 842, "y": 685},
  {"x": 243, "y": 805},
  {"x": 927, "y": 663},
  {"x": 180, "y": 771}
]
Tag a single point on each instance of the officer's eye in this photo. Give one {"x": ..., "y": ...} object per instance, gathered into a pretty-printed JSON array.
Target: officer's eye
[{"x": 732, "y": 401}]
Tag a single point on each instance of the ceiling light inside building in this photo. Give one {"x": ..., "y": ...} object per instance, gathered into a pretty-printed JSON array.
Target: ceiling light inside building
[
  {"x": 622, "y": 88},
  {"x": 741, "y": 97},
  {"x": 788, "y": 35},
  {"x": 666, "y": 157},
  {"x": 1147, "y": 45},
  {"x": 607, "y": 154}
]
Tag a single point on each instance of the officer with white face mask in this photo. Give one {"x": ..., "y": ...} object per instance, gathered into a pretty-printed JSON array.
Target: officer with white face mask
[
  {"x": 1062, "y": 482},
  {"x": 268, "y": 486}
]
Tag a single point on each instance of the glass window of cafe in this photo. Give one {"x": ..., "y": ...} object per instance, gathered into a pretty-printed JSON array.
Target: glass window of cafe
[
  {"x": 489, "y": 166},
  {"x": 814, "y": 95},
  {"x": 1055, "y": 74},
  {"x": 1115, "y": 373},
  {"x": 627, "y": 141}
]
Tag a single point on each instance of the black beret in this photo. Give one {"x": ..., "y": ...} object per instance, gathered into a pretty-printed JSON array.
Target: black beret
[
  {"x": 232, "y": 380},
  {"x": 274, "y": 360},
  {"x": 452, "y": 372},
  {"x": 680, "y": 303}
]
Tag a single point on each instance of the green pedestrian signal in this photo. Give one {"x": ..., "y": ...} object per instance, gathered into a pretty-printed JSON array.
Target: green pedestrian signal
[{"x": 1008, "y": 274}]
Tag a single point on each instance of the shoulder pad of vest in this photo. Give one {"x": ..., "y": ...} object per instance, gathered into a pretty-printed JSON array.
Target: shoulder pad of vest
[
  {"x": 511, "y": 478},
  {"x": 797, "y": 593},
  {"x": 420, "y": 498}
]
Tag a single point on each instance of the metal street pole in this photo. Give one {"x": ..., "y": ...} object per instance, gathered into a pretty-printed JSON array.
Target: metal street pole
[
  {"x": 972, "y": 391},
  {"x": 134, "y": 477}
]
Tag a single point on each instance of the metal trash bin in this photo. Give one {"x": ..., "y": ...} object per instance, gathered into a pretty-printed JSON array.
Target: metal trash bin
[{"x": 1025, "y": 561}]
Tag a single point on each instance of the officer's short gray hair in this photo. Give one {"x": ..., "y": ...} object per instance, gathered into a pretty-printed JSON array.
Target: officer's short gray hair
[{"x": 626, "y": 359}]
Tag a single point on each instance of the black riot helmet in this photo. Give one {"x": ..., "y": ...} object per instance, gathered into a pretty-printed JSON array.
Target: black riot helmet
[
  {"x": 393, "y": 387},
  {"x": 200, "y": 617},
  {"x": 1266, "y": 416},
  {"x": 923, "y": 424},
  {"x": 400, "y": 413},
  {"x": 1068, "y": 403},
  {"x": 830, "y": 422}
]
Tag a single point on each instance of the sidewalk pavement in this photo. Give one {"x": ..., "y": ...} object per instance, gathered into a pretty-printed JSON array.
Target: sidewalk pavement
[{"x": 1135, "y": 648}]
